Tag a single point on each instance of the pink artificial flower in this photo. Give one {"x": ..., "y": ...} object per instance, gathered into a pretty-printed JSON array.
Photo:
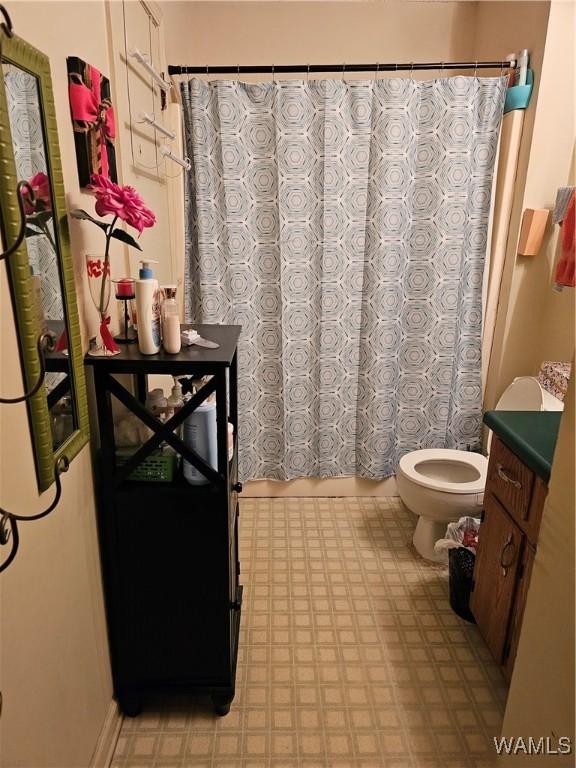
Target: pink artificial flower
[
  {"x": 123, "y": 202},
  {"x": 42, "y": 200}
]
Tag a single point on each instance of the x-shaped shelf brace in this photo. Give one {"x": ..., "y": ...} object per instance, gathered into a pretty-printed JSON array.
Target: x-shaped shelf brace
[{"x": 163, "y": 432}]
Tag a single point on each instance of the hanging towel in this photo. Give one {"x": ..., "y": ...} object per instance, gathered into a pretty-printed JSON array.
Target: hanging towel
[
  {"x": 562, "y": 199},
  {"x": 565, "y": 273}
]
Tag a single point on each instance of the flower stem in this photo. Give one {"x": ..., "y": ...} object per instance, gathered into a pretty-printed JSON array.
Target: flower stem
[
  {"x": 101, "y": 308},
  {"x": 45, "y": 229}
]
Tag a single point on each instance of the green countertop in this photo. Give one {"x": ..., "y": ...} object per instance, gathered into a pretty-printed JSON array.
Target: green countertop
[{"x": 531, "y": 435}]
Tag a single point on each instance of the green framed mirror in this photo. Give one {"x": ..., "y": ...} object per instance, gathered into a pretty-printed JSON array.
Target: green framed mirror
[{"x": 40, "y": 272}]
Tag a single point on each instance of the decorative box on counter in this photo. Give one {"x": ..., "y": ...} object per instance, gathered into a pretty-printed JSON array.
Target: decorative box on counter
[{"x": 554, "y": 377}]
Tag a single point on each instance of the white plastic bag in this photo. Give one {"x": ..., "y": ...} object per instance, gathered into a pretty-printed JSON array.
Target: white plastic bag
[{"x": 464, "y": 533}]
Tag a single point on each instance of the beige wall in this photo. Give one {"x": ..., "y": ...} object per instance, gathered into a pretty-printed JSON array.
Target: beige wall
[
  {"x": 541, "y": 698},
  {"x": 534, "y": 322},
  {"x": 54, "y": 667},
  {"x": 318, "y": 32}
]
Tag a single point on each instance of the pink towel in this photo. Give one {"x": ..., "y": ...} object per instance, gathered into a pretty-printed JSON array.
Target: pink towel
[{"x": 565, "y": 269}]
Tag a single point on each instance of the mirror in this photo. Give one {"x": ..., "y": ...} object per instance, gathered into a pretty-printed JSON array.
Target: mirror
[
  {"x": 29, "y": 148},
  {"x": 40, "y": 271}
]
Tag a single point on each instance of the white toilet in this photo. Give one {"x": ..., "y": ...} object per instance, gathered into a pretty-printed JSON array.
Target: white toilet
[{"x": 441, "y": 485}]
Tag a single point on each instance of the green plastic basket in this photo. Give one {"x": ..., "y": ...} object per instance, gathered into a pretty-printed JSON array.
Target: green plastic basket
[{"x": 158, "y": 467}]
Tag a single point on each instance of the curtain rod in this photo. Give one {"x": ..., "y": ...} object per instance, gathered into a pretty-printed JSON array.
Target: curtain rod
[{"x": 309, "y": 68}]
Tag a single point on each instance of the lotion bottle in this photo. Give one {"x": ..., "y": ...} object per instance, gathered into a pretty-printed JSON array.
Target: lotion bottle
[
  {"x": 170, "y": 321},
  {"x": 147, "y": 309},
  {"x": 200, "y": 435}
]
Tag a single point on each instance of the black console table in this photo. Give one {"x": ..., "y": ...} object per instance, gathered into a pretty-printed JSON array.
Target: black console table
[{"x": 170, "y": 550}]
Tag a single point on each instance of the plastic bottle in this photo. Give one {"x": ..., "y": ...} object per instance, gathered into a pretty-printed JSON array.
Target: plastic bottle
[
  {"x": 36, "y": 281},
  {"x": 156, "y": 403},
  {"x": 512, "y": 57},
  {"x": 170, "y": 321},
  {"x": 175, "y": 402},
  {"x": 230, "y": 441},
  {"x": 522, "y": 66},
  {"x": 147, "y": 309},
  {"x": 200, "y": 435}
]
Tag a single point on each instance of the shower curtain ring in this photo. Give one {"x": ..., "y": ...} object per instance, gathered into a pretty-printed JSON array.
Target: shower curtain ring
[
  {"x": 476, "y": 69},
  {"x": 377, "y": 70},
  {"x": 238, "y": 71},
  {"x": 308, "y": 73},
  {"x": 411, "y": 68},
  {"x": 273, "y": 75},
  {"x": 343, "y": 70}
]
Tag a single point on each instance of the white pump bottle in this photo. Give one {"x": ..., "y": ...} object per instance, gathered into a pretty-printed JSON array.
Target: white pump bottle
[{"x": 148, "y": 309}]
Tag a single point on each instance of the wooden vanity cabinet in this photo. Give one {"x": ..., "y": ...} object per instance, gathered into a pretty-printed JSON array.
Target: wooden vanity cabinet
[{"x": 513, "y": 503}]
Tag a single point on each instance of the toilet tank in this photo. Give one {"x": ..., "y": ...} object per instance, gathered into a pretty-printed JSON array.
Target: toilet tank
[{"x": 525, "y": 394}]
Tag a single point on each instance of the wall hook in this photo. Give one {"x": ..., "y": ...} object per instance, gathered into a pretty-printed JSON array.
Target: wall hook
[
  {"x": 22, "y": 185},
  {"x": 8, "y": 530},
  {"x": 45, "y": 342},
  {"x": 8, "y": 520},
  {"x": 6, "y": 25},
  {"x": 60, "y": 465}
]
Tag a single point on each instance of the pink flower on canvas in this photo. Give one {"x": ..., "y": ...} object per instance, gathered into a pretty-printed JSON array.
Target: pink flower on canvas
[
  {"x": 42, "y": 200},
  {"x": 123, "y": 202}
]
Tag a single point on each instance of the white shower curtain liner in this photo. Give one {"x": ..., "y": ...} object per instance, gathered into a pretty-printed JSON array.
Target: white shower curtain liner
[{"x": 343, "y": 225}]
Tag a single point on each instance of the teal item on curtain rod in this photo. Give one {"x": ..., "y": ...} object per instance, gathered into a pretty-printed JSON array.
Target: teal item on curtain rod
[{"x": 344, "y": 225}]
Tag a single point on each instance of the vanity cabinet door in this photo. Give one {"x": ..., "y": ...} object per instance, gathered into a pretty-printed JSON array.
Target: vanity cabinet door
[
  {"x": 524, "y": 574},
  {"x": 500, "y": 544}
]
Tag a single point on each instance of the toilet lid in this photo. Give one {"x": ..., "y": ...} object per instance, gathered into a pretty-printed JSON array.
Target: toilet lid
[{"x": 445, "y": 469}]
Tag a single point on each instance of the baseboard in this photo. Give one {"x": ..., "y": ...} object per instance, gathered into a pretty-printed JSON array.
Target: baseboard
[
  {"x": 104, "y": 752},
  {"x": 320, "y": 487}
]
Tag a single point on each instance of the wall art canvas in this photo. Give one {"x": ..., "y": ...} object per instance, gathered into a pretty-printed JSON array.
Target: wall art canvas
[{"x": 93, "y": 120}]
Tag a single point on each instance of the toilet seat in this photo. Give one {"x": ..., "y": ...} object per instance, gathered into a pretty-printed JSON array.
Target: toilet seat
[{"x": 431, "y": 468}]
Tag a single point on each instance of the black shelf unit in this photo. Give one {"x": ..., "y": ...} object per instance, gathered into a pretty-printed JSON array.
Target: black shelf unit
[{"x": 169, "y": 551}]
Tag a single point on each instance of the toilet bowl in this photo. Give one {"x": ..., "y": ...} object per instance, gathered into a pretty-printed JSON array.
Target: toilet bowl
[{"x": 441, "y": 485}]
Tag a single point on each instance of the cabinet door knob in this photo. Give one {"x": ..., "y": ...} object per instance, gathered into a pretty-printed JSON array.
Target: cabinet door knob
[{"x": 237, "y": 487}]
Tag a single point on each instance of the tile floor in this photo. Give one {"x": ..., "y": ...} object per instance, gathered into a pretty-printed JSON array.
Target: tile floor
[{"x": 350, "y": 656}]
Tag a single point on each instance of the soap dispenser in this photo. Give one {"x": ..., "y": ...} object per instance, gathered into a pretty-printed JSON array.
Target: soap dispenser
[{"x": 147, "y": 309}]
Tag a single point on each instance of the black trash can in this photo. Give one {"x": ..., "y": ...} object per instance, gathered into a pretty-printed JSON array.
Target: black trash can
[{"x": 461, "y": 570}]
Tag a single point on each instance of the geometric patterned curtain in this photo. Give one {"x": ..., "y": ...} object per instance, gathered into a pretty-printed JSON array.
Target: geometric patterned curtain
[{"x": 344, "y": 226}]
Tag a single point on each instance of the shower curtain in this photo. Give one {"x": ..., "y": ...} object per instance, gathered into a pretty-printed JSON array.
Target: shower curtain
[{"x": 343, "y": 225}]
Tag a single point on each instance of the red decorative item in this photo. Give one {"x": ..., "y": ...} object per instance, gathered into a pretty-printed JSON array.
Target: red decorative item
[
  {"x": 125, "y": 288},
  {"x": 565, "y": 270},
  {"x": 122, "y": 203},
  {"x": 62, "y": 343},
  {"x": 93, "y": 119},
  {"x": 106, "y": 336},
  {"x": 98, "y": 271}
]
